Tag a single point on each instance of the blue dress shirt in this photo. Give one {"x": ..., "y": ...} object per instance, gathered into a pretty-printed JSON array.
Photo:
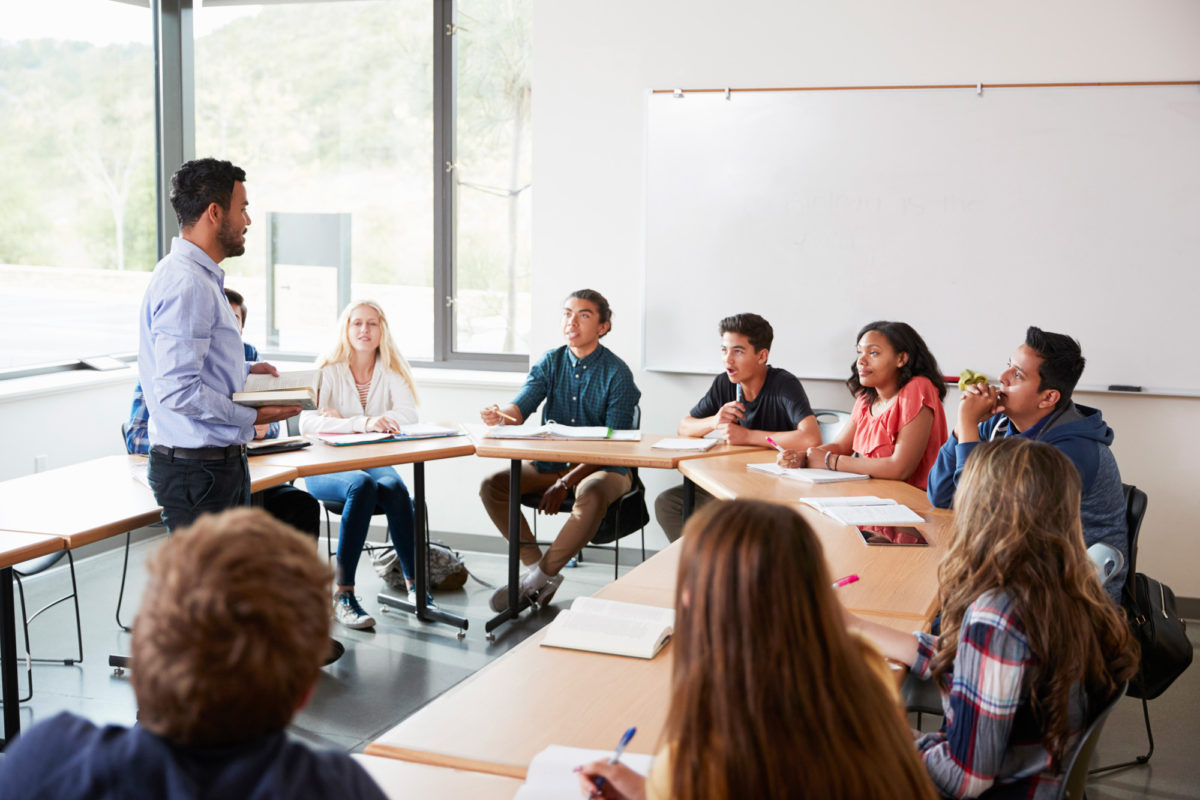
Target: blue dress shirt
[{"x": 190, "y": 356}]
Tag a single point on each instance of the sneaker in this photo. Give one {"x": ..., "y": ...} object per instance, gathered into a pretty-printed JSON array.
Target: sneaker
[
  {"x": 541, "y": 598},
  {"x": 537, "y": 597},
  {"x": 429, "y": 601},
  {"x": 347, "y": 611}
]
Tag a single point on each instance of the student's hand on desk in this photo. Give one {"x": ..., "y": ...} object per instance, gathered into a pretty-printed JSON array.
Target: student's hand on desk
[
  {"x": 263, "y": 368},
  {"x": 620, "y": 782},
  {"x": 268, "y": 414},
  {"x": 491, "y": 416},
  {"x": 792, "y": 459},
  {"x": 552, "y": 498},
  {"x": 382, "y": 425},
  {"x": 732, "y": 433}
]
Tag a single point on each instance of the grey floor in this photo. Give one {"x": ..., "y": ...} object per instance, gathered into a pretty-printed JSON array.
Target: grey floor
[{"x": 387, "y": 674}]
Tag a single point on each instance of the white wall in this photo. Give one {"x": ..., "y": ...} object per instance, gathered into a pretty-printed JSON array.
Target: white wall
[{"x": 594, "y": 60}]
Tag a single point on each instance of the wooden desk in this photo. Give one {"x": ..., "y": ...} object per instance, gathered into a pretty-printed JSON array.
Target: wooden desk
[
  {"x": 895, "y": 582},
  {"x": 92, "y": 500},
  {"x": 324, "y": 459},
  {"x": 15, "y": 547},
  {"x": 402, "y": 780},
  {"x": 609, "y": 453}
]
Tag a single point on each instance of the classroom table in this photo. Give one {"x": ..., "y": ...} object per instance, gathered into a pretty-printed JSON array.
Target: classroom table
[
  {"x": 323, "y": 459},
  {"x": 15, "y": 547},
  {"x": 640, "y": 454},
  {"x": 402, "y": 780}
]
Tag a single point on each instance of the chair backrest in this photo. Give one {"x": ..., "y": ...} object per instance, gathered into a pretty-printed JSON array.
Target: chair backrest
[
  {"x": 1076, "y": 773},
  {"x": 830, "y": 422},
  {"x": 1107, "y": 560},
  {"x": 125, "y": 435},
  {"x": 1135, "y": 511},
  {"x": 293, "y": 425}
]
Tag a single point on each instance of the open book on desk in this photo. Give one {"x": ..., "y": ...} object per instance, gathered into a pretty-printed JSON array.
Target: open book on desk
[
  {"x": 610, "y": 626},
  {"x": 686, "y": 444},
  {"x": 552, "y": 776},
  {"x": 554, "y": 430},
  {"x": 805, "y": 474},
  {"x": 415, "y": 430},
  {"x": 867, "y": 510},
  {"x": 289, "y": 389}
]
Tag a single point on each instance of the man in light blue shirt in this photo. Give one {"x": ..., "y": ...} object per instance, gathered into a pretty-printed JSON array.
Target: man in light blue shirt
[{"x": 190, "y": 356}]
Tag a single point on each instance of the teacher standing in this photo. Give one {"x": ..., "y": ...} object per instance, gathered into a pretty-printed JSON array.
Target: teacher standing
[{"x": 190, "y": 356}]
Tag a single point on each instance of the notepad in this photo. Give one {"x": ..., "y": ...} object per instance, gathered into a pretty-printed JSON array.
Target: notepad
[
  {"x": 685, "y": 444},
  {"x": 551, "y": 774},
  {"x": 288, "y": 389},
  {"x": 805, "y": 474},
  {"x": 610, "y": 626},
  {"x": 865, "y": 510},
  {"x": 554, "y": 430},
  {"x": 415, "y": 430}
]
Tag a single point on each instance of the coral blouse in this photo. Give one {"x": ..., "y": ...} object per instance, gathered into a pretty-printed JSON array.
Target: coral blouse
[{"x": 875, "y": 436}]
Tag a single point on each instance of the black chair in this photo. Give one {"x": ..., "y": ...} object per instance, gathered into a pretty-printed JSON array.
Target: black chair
[
  {"x": 1135, "y": 511},
  {"x": 28, "y": 569},
  {"x": 1076, "y": 774},
  {"x": 627, "y": 514}
]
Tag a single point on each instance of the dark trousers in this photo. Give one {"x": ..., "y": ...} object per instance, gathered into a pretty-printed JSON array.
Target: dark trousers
[
  {"x": 294, "y": 506},
  {"x": 186, "y": 488}
]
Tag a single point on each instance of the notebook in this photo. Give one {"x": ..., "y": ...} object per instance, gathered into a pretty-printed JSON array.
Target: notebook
[
  {"x": 554, "y": 430},
  {"x": 699, "y": 445},
  {"x": 613, "y": 627},
  {"x": 865, "y": 510},
  {"x": 551, "y": 774},
  {"x": 805, "y": 474},
  {"x": 415, "y": 430}
]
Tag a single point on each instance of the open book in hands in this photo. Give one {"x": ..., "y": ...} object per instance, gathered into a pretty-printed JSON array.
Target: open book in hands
[{"x": 610, "y": 626}]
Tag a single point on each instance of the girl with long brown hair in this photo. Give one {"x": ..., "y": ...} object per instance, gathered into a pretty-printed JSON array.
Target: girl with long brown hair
[
  {"x": 1030, "y": 646},
  {"x": 771, "y": 697}
]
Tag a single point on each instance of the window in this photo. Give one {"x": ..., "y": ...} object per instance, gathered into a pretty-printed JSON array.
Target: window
[{"x": 77, "y": 241}]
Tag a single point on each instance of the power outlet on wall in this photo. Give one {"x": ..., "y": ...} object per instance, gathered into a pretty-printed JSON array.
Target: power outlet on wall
[{"x": 40, "y": 463}]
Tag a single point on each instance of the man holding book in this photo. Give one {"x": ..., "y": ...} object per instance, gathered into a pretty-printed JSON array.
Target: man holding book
[
  {"x": 747, "y": 404},
  {"x": 584, "y": 384},
  {"x": 190, "y": 355}
]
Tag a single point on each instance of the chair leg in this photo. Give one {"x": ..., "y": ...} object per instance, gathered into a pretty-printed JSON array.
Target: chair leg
[
  {"x": 121, "y": 591},
  {"x": 75, "y": 598},
  {"x": 1139, "y": 760},
  {"x": 328, "y": 535},
  {"x": 616, "y": 556},
  {"x": 25, "y": 627}
]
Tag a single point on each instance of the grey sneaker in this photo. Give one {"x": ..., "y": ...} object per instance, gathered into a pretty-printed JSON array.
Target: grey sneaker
[
  {"x": 429, "y": 601},
  {"x": 538, "y": 598},
  {"x": 347, "y": 611},
  {"x": 541, "y": 598}
]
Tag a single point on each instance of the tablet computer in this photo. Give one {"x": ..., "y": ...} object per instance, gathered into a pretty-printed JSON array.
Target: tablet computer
[{"x": 886, "y": 535}]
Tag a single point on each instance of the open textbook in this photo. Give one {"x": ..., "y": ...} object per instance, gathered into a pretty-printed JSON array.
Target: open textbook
[
  {"x": 415, "y": 430},
  {"x": 683, "y": 444},
  {"x": 610, "y": 626},
  {"x": 289, "y": 389},
  {"x": 866, "y": 510},
  {"x": 805, "y": 474},
  {"x": 552, "y": 776},
  {"x": 554, "y": 430}
]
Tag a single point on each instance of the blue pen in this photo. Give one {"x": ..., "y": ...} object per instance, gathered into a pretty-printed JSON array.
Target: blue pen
[{"x": 616, "y": 756}]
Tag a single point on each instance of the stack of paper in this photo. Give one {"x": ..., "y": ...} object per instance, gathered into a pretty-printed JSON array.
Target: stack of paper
[
  {"x": 865, "y": 510},
  {"x": 806, "y": 475},
  {"x": 685, "y": 444},
  {"x": 553, "y": 430},
  {"x": 551, "y": 774}
]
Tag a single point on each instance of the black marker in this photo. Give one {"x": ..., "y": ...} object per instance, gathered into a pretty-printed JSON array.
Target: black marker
[{"x": 1123, "y": 387}]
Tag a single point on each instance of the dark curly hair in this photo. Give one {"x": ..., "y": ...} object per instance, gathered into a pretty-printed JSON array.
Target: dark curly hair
[
  {"x": 903, "y": 339},
  {"x": 200, "y": 183}
]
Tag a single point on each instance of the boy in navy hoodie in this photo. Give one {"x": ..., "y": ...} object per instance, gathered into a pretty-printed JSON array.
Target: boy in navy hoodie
[{"x": 1034, "y": 400}]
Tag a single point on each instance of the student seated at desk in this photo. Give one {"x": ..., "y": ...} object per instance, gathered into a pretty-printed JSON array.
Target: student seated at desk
[
  {"x": 771, "y": 696},
  {"x": 1033, "y": 401},
  {"x": 898, "y": 422},
  {"x": 747, "y": 403},
  {"x": 366, "y": 385},
  {"x": 583, "y": 383},
  {"x": 1030, "y": 648},
  {"x": 227, "y": 646},
  {"x": 286, "y": 503}
]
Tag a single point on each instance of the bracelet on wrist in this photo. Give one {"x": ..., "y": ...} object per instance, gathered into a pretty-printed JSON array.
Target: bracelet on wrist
[{"x": 827, "y": 461}]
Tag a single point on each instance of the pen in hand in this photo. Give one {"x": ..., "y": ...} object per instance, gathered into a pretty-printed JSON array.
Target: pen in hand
[
  {"x": 511, "y": 419},
  {"x": 616, "y": 756},
  {"x": 774, "y": 444}
]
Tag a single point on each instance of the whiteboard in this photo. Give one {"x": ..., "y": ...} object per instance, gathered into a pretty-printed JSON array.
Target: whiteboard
[{"x": 968, "y": 216}]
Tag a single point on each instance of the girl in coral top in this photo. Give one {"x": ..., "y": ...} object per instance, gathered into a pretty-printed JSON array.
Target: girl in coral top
[{"x": 898, "y": 423}]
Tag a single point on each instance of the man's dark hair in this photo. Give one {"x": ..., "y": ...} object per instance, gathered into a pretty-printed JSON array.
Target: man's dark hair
[
  {"x": 200, "y": 183},
  {"x": 601, "y": 304},
  {"x": 235, "y": 299},
  {"x": 753, "y": 327},
  {"x": 1062, "y": 361}
]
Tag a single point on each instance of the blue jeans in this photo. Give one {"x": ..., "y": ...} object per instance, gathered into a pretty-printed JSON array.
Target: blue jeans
[
  {"x": 186, "y": 489},
  {"x": 362, "y": 490}
]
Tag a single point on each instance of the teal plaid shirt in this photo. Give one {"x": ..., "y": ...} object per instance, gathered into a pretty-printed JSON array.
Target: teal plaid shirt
[{"x": 596, "y": 390}]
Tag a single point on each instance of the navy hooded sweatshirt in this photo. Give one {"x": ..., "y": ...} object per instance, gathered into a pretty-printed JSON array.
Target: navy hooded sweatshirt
[{"x": 1083, "y": 436}]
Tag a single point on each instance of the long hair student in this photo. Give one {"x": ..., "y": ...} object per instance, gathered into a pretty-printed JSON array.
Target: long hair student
[{"x": 771, "y": 696}]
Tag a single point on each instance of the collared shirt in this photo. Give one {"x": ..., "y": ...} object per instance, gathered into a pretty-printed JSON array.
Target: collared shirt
[
  {"x": 595, "y": 390},
  {"x": 137, "y": 434},
  {"x": 190, "y": 355}
]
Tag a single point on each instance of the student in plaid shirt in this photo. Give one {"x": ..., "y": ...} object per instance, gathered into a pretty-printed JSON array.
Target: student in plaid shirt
[
  {"x": 1030, "y": 649},
  {"x": 583, "y": 383}
]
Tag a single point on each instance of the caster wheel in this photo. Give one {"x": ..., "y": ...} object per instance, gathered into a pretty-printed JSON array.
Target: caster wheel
[
  {"x": 384, "y": 609},
  {"x": 491, "y": 637},
  {"x": 118, "y": 672},
  {"x": 461, "y": 635}
]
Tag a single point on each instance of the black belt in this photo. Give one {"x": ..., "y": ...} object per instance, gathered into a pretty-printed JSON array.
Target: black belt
[{"x": 201, "y": 453}]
